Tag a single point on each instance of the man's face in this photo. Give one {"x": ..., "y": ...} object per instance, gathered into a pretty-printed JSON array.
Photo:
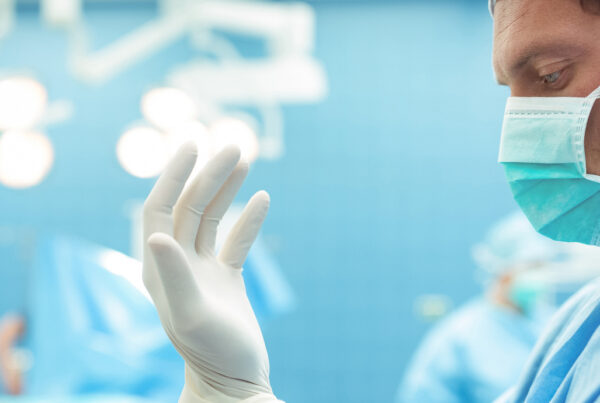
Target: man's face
[{"x": 550, "y": 48}]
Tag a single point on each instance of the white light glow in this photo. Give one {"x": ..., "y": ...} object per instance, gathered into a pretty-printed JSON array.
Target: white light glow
[
  {"x": 61, "y": 13},
  {"x": 124, "y": 266},
  {"x": 25, "y": 158},
  {"x": 142, "y": 151},
  {"x": 23, "y": 102},
  {"x": 168, "y": 107},
  {"x": 196, "y": 132},
  {"x": 235, "y": 131}
]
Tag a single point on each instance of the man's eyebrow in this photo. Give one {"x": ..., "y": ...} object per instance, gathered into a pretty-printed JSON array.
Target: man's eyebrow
[
  {"x": 534, "y": 51},
  {"x": 556, "y": 48}
]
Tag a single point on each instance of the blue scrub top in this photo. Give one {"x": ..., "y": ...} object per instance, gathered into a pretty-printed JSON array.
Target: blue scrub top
[{"x": 565, "y": 364}]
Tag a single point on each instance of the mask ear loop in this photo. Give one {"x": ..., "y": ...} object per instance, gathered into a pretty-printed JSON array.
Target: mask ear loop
[
  {"x": 586, "y": 111},
  {"x": 579, "y": 137}
]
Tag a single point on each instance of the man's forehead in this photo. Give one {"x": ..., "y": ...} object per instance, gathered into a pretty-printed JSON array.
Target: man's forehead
[
  {"x": 538, "y": 12},
  {"x": 524, "y": 29},
  {"x": 510, "y": 8}
]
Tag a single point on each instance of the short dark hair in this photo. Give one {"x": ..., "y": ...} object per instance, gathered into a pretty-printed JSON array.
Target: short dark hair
[{"x": 591, "y": 6}]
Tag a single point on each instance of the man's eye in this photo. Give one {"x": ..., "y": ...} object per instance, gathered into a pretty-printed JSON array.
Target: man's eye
[{"x": 551, "y": 78}]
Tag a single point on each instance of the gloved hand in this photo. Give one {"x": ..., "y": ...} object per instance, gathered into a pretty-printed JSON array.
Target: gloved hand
[{"x": 200, "y": 296}]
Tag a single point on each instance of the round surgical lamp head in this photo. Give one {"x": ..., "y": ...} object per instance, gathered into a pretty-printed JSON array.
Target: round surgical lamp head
[
  {"x": 230, "y": 130},
  {"x": 168, "y": 107},
  {"x": 23, "y": 102},
  {"x": 142, "y": 151},
  {"x": 25, "y": 158}
]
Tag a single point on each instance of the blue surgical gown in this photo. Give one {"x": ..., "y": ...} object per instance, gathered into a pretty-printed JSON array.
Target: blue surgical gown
[
  {"x": 565, "y": 363},
  {"x": 93, "y": 333},
  {"x": 473, "y": 355}
]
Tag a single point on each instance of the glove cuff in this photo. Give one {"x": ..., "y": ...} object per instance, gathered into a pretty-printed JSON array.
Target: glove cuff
[
  {"x": 196, "y": 390},
  {"x": 188, "y": 396},
  {"x": 262, "y": 398}
]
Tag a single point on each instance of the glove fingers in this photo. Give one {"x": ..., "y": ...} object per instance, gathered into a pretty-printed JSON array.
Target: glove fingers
[
  {"x": 179, "y": 284},
  {"x": 245, "y": 231},
  {"x": 190, "y": 207},
  {"x": 207, "y": 232},
  {"x": 158, "y": 208},
  {"x": 159, "y": 204}
]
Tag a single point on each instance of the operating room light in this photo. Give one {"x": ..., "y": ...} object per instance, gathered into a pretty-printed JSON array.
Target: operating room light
[
  {"x": 230, "y": 130},
  {"x": 198, "y": 133},
  {"x": 141, "y": 151},
  {"x": 25, "y": 158},
  {"x": 23, "y": 102},
  {"x": 167, "y": 107}
]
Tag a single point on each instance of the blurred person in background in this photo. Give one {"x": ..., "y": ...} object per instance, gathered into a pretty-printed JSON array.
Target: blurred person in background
[
  {"x": 91, "y": 332},
  {"x": 501, "y": 326},
  {"x": 86, "y": 329}
]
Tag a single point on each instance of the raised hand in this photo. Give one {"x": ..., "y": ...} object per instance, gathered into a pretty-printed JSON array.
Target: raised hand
[{"x": 200, "y": 296}]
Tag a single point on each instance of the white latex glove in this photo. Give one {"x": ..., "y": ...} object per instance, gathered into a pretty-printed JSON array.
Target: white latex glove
[{"x": 200, "y": 296}]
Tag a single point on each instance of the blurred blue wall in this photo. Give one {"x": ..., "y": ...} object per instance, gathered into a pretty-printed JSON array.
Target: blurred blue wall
[{"x": 384, "y": 187}]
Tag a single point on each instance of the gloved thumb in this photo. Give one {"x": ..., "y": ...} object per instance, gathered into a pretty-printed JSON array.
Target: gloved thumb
[{"x": 178, "y": 280}]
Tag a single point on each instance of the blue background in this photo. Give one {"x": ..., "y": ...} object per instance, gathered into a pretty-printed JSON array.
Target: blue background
[{"x": 383, "y": 189}]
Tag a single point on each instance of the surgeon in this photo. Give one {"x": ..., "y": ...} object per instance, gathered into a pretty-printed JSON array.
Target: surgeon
[
  {"x": 548, "y": 53},
  {"x": 501, "y": 326}
]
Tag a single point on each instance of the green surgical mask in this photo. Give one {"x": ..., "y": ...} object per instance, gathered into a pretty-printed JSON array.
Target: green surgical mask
[{"x": 542, "y": 150}]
